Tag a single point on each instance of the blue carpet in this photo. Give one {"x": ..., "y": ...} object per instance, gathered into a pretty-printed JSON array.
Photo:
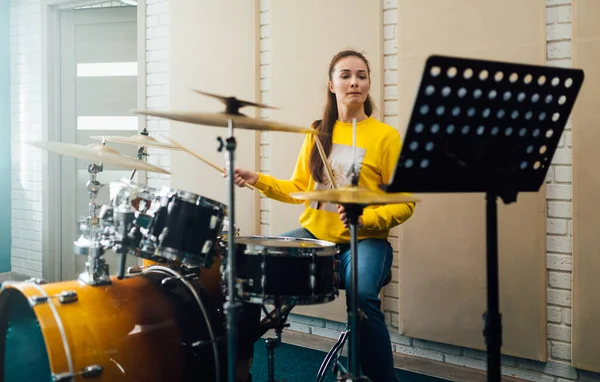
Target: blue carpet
[{"x": 298, "y": 364}]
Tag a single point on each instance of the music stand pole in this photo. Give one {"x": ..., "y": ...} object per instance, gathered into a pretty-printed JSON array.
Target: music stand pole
[
  {"x": 493, "y": 320},
  {"x": 231, "y": 306}
]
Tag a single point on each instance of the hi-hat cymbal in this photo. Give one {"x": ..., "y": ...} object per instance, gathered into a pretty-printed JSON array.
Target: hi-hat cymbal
[
  {"x": 138, "y": 140},
  {"x": 222, "y": 120},
  {"x": 354, "y": 195},
  {"x": 97, "y": 153}
]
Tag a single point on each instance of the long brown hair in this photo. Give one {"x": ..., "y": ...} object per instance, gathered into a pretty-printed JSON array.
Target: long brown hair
[{"x": 330, "y": 116}]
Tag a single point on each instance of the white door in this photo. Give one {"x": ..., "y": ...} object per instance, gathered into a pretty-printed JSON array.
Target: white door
[{"x": 98, "y": 93}]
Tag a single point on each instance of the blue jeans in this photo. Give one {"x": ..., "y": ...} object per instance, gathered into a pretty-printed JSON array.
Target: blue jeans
[{"x": 374, "y": 264}]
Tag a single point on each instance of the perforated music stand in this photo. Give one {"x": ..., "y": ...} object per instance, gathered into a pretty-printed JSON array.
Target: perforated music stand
[{"x": 490, "y": 127}]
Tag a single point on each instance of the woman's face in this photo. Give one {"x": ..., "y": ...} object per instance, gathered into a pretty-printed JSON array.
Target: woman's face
[{"x": 350, "y": 81}]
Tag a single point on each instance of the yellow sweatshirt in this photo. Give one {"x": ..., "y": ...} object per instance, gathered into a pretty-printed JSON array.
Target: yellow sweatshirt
[{"x": 378, "y": 149}]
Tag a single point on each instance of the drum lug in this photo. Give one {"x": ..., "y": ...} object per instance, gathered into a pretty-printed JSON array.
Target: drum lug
[
  {"x": 68, "y": 297},
  {"x": 33, "y": 301},
  {"x": 65, "y": 297},
  {"x": 36, "y": 280},
  {"x": 249, "y": 282},
  {"x": 87, "y": 372}
]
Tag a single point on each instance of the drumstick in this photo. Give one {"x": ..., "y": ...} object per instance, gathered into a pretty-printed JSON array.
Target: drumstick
[
  {"x": 325, "y": 162},
  {"x": 202, "y": 159}
]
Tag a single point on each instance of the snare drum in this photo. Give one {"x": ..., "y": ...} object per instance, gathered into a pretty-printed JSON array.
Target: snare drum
[
  {"x": 154, "y": 326},
  {"x": 183, "y": 227},
  {"x": 284, "y": 270}
]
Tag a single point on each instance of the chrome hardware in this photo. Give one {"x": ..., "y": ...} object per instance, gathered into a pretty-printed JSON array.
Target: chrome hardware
[
  {"x": 36, "y": 280},
  {"x": 65, "y": 297},
  {"x": 87, "y": 372}
]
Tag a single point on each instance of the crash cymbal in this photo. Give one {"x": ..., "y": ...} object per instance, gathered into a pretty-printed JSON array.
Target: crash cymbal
[
  {"x": 97, "y": 153},
  {"x": 222, "y": 120},
  {"x": 233, "y": 102},
  {"x": 138, "y": 140},
  {"x": 354, "y": 195}
]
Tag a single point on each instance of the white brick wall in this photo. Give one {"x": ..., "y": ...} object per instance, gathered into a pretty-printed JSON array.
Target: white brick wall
[
  {"x": 26, "y": 114},
  {"x": 157, "y": 83},
  {"x": 265, "y": 137}
]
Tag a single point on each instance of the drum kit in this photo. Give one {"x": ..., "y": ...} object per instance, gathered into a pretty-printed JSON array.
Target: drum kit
[{"x": 174, "y": 317}]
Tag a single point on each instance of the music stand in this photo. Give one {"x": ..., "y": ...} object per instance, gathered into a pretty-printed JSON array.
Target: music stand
[{"x": 490, "y": 127}]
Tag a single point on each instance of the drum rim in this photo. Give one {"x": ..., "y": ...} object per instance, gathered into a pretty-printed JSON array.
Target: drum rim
[
  {"x": 191, "y": 197},
  {"x": 326, "y": 248},
  {"x": 272, "y": 299},
  {"x": 13, "y": 289}
]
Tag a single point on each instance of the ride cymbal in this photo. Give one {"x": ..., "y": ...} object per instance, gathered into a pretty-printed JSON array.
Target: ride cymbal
[
  {"x": 97, "y": 153},
  {"x": 354, "y": 195},
  {"x": 222, "y": 120},
  {"x": 138, "y": 140}
]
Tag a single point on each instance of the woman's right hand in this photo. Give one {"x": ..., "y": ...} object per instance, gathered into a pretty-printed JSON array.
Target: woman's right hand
[{"x": 243, "y": 177}]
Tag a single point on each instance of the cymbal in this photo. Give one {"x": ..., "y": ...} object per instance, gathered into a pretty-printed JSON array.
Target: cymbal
[
  {"x": 138, "y": 140},
  {"x": 97, "y": 153},
  {"x": 354, "y": 195},
  {"x": 234, "y": 102},
  {"x": 222, "y": 120}
]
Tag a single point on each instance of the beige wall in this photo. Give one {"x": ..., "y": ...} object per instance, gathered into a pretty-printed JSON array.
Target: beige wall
[
  {"x": 443, "y": 265},
  {"x": 299, "y": 64},
  {"x": 213, "y": 47},
  {"x": 586, "y": 182}
]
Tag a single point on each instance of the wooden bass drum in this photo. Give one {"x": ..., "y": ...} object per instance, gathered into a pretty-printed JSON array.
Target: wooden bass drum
[{"x": 153, "y": 326}]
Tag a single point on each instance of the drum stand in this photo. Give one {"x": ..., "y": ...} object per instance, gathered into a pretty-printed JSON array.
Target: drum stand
[
  {"x": 353, "y": 212},
  {"x": 88, "y": 244},
  {"x": 276, "y": 322},
  {"x": 232, "y": 307}
]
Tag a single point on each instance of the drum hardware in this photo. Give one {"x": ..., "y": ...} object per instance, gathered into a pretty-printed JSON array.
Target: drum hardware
[
  {"x": 88, "y": 244},
  {"x": 65, "y": 297},
  {"x": 87, "y": 372},
  {"x": 278, "y": 323},
  {"x": 93, "y": 186},
  {"x": 36, "y": 280},
  {"x": 124, "y": 218}
]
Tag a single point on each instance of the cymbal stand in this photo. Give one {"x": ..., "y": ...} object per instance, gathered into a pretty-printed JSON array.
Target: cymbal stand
[
  {"x": 232, "y": 307},
  {"x": 89, "y": 244},
  {"x": 353, "y": 212},
  {"x": 276, "y": 322},
  {"x": 141, "y": 154}
]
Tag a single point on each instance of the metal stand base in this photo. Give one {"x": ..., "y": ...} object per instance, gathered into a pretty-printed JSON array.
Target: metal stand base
[{"x": 276, "y": 322}]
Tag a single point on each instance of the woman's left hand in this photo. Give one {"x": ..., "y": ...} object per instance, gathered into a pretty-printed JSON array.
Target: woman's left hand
[{"x": 344, "y": 218}]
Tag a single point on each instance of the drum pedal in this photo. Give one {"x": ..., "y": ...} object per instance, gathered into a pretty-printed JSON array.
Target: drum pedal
[{"x": 87, "y": 372}]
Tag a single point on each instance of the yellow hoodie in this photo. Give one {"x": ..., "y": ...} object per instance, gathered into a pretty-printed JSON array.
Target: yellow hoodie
[{"x": 378, "y": 149}]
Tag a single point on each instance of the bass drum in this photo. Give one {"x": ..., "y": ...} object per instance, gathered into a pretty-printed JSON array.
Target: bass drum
[{"x": 154, "y": 326}]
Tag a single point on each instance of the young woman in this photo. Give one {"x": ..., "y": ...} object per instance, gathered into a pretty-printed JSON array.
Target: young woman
[{"x": 378, "y": 149}]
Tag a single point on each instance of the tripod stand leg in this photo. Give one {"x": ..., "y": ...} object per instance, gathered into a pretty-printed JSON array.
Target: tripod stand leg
[{"x": 493, "y": 319}]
